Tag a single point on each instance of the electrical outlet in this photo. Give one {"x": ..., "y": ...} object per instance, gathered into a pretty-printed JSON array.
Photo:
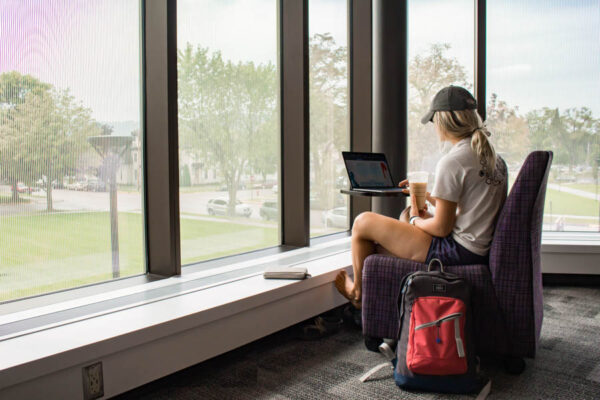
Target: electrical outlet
[{"x": 93, "y": 383}]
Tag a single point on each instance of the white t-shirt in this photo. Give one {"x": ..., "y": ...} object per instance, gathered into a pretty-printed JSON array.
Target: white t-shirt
[{"x": 460, "y": 178}]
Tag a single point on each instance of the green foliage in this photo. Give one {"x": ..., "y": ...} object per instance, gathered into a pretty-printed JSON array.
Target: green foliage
[
  {"x": 42, "y": 133},
  {"x": 328, "y": 113},
  {"x": 15, "y": 87},
  {"x": 510, "y": 132},
  {"x": 228, "y": 115},
  {"x": 572, "y": 135}
]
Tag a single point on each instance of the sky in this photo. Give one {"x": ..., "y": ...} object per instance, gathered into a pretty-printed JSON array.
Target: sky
[
  {"x": 89, "y": 47},
  {"x": 540, "y": 52}
]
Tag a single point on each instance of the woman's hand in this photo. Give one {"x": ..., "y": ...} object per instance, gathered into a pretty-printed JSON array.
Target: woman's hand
[
  {"x": 405, "y": 184},
  {"x": 414, "y": 210}
]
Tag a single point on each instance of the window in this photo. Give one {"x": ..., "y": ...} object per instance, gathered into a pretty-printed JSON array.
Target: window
[
  {"x": 440, "y": 54},
  {"x": 328, "y": 91},
  {"x": 542, "y": 90},
  {"x": 70, "y": 191},
  {"x": 229, "y": 122}
]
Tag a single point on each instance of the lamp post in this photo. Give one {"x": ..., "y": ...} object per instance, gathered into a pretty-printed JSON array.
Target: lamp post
[{"x": 111, "y": 149}]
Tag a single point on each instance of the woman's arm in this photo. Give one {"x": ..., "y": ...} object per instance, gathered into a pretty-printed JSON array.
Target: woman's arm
[
  {"x": 443, "y": 220},
  {"x": 430, "y": 199}
]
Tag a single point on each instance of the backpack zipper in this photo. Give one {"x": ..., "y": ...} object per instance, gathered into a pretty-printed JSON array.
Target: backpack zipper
[
  {"x": 454, "y": 316},
  {"x": 439, "y": 321}
]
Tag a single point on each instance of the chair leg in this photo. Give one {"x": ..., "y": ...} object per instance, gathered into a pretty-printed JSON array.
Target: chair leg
[
  {"x": 514, "y": 365},
  {"x": 373, "y": 343}
]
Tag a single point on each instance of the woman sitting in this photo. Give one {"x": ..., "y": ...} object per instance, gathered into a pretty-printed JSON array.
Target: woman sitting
[{"x": 469, "y": 191}]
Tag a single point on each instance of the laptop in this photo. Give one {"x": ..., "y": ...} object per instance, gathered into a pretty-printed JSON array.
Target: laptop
[{"x": 369, "y": 172}]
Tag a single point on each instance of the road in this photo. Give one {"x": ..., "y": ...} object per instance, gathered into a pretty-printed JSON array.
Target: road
[{"x": 190, "y": 203}]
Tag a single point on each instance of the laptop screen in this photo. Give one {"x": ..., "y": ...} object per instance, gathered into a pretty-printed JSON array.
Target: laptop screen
[{"x": 368, "y": 170}]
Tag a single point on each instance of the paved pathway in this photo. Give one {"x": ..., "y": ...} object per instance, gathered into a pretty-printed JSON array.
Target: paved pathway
[{"x": 576, "y": 192}]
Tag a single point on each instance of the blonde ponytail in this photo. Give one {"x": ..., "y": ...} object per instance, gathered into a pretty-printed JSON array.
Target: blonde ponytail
[
  {"x": 467, "y": 123},
  {"x": 484, "y": 149}
]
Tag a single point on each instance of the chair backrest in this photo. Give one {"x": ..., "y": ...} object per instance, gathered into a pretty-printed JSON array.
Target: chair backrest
[{"x": 515, "y": 253}]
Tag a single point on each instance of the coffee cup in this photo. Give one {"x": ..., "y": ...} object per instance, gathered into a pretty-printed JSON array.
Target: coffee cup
[{"x": 417, "y": 183}]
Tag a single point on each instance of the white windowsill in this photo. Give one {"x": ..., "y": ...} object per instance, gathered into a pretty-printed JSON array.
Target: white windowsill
[{"x": 570, "y": 242}]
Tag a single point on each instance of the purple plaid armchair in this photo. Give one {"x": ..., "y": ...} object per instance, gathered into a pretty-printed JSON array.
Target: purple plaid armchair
[{"x": 507, "y": 294}]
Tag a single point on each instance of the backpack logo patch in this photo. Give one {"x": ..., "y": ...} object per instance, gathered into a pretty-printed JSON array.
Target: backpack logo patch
[{"x": 439, "y": 288}]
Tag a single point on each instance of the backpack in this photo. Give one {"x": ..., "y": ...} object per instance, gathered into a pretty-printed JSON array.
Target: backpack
[{"x": 434, "y": 349}]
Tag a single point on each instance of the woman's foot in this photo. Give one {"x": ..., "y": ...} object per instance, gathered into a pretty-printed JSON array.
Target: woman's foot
[{"x": 345, "y": 286}]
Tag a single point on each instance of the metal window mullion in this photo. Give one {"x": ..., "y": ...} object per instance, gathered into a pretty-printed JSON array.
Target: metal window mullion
[
  {"x": 360, "y": 87},
  {"x": 390, "y": 94},
  {"x": 480, "y": 56},
  {"x": 161, "y": 164},
  {"x": 295, "y": 213}
]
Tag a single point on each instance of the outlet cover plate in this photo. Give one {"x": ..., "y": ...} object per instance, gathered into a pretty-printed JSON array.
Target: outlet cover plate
[{"x": 93, "y": 382}]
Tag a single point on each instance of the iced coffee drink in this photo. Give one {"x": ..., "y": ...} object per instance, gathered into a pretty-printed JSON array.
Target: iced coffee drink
[{"x": 417, "y": 183}]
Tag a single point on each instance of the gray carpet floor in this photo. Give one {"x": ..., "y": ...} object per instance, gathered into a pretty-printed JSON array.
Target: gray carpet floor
[{"x": 281, "y": 367}]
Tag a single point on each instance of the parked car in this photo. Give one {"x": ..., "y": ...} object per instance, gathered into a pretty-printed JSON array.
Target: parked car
[
  {"x": 23, "y": 188},
  {"x": 337, "y": 217},
  {"x": 220, "y": 206},
  {"x": 269, "y": 210},
  {"x": 95, "y": 185},
  {"x": 81, "y": 185},
  {"x": 71, "y": 186}
]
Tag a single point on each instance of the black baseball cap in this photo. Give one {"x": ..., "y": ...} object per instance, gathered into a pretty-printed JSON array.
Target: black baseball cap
[{"x": 451, "y": 98}]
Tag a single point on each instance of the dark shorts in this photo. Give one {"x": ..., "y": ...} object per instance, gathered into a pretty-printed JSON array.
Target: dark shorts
[{"x": 449, "y": 252}]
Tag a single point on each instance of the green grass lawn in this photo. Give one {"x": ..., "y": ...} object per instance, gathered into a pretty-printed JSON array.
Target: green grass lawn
[
  {"x": 570, "y": 204},
  {"x": 49, "y": 252}
]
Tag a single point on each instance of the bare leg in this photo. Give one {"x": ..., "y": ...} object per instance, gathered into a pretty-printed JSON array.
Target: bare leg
[
  {"x": 398, "y": 238},
  {"x": 379, "y": 249}
]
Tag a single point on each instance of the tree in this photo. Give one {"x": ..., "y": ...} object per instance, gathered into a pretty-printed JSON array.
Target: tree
[
  {"x": 571, "y": 135},
  {"x": 578, "y": 132},
  {"x": 427, "y": 74},
  {"x": 510, "y": 132},
  {"x": 14, "y": 89},
  {"x": 328, "y": 113},
  {"x": 227, "y": 111},
  {"x": 538, "y": 122},
  {"x": 47, "y": 132}
]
